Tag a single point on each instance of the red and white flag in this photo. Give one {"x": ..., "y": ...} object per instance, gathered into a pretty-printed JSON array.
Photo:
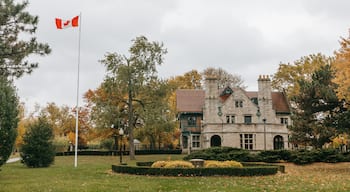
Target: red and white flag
[{"x": 61, "y": 24}]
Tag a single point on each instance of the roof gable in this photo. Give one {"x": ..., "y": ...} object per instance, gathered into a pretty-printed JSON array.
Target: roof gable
[
  {"x": 279, "y": 101},
  {"x": 190, "y": 100}
]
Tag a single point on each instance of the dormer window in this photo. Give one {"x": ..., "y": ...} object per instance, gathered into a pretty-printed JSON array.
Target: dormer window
[
  {"x": 238, "y": 104},
  {"x": 227, "y": 91},
  {"x": 191, "y": 121}
]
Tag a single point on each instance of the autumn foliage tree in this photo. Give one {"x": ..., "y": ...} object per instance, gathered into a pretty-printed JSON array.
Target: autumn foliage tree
[
  {"x": 158, "y": 120},
  {"x": 224, "y": 78},
  {"x": 342, "y": 69},
  {"x": 289, "y": 75},
  {"x": 129, "y": 75}
]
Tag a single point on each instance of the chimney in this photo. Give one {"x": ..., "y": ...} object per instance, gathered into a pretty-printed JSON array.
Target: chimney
[{"x": 264, "y": 95}]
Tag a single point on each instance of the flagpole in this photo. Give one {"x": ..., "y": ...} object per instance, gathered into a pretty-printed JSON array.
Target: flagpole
[{"x": 77, "y": 107}]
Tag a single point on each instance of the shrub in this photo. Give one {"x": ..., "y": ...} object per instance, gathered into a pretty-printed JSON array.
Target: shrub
[
  {"x": 233, "y": 164},
  {"x": 172, "y": 164},
  {"x": 158, "y": 164},
  {"x": 274, "y": 156},
  {"x": 178, "y": 164},
  {"x": 212, "y": 163},
  {"x": 107, "y": 144},
  {"x": 61, "y": 144},
  {"x": 221, "y": 154},
  {"x": 8, "y": 118},
  {"x": 37, "y": 149}
]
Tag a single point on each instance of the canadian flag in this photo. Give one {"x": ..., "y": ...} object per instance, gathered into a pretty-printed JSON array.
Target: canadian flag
[{"x": 61, "y": 24}]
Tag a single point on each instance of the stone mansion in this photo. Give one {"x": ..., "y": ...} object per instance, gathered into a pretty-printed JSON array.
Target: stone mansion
[{"x": 233, "y": 117}]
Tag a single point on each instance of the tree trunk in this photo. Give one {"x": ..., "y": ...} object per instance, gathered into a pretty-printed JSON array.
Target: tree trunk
[{"x": 131, "y": 117}]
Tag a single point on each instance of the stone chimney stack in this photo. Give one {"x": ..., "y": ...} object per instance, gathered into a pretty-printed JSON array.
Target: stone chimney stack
[
  {"x": 211, "y": 99},
  {"x": 264, "y": 97}
]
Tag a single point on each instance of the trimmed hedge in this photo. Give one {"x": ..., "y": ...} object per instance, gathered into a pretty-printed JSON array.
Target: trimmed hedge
[
  {"x": 222, "y": 154},
  {"x": 281, "y": 168},
  {"x": 90, "y": 153},
  {"x": 146, "y": 163},
  {"x": 300, "y": 157},
  {"x": 229, "y": 171},
  {"x": 106, "y": 153}
]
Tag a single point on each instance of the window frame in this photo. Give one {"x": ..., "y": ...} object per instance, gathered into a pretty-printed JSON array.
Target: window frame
[
  {"x": 246, "y": 117},
  {"x": 247, "y": 141},
  {"x": 195, "y": 141}
]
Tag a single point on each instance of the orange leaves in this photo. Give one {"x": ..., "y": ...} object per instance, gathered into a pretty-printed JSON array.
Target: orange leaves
[{"x": 342, "y": 69}]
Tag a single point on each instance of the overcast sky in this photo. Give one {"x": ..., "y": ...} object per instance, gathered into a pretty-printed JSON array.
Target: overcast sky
[{"x": 244, "y": 37}]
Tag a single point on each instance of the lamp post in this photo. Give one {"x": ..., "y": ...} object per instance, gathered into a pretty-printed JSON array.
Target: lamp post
[
  {"x": 115, "y": 136},
  {"x": 222, "y": 124},
  {"x": 121, "y": 133},
  {"x": 258, "y": 114}
]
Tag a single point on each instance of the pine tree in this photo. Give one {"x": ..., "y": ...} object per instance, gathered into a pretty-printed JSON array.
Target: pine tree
[
  {"x": 38, "y": 149},
  {"x": 16, "y": 22},
  {"x": 8, "y": 119}
]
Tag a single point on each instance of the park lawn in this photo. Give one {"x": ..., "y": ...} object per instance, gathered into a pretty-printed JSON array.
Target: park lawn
[{"x": 94, "y": 174}]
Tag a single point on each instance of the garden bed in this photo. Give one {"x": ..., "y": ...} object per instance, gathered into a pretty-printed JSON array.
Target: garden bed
[{"x": 247, "y": 170}]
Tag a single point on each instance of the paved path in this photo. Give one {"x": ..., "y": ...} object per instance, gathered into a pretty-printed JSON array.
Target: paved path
[{"x": 13, "y": 160}]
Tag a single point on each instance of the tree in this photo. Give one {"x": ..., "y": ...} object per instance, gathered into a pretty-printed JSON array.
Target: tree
[
  {"x": 342, "y": 69},
  {"x": 189, "y": 80},
  {"x": 157, "y": 118},
  {"x": 224, "y": 78},
  {"x": 131, "y": 74},
  {"x": 15, "y": 25},
  {"x": 316, "y": 109},
  {"x": 21, "y": 126},
  {"x": 38, "y": 149},
  {"x": 8, "y": 118},
  {"x": 62, "y": 121},
  {"x": 288, "y": 75}
]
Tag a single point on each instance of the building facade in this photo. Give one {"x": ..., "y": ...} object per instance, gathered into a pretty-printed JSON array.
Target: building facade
[{"x": 233, "y": 117}]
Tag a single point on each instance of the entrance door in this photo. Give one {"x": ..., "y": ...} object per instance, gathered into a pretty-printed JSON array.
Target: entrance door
[
  {"x": 215, "y": 141},
  {"x": 278, "y": 142}
]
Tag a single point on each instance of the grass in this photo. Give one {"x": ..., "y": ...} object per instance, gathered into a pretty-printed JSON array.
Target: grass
[{"x": 94, "y": 174}]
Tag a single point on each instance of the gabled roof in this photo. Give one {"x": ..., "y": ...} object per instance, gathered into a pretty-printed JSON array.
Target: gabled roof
[
  {"x": 279, "y": 101},
  {"x": 190, "y": 100}
]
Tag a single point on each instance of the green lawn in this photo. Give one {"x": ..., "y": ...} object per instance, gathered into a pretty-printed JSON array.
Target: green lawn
[{"x": 94, "y": 174}]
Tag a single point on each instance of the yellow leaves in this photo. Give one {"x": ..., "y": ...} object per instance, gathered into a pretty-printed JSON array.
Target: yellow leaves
[
  {"x": 71, "y": 137},
  {"x": 341, "y": 139},
  {"x": 222, "y": 164},
  {"x": 288, "y": 75},
  {"x": 342, "y": 70},
  {"x": 172, "y": 164}
]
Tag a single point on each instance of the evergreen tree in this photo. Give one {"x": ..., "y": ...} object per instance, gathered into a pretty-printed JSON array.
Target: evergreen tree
[
  {"x": 8, "y": 119},
  {"x": 15, "y": 22},
  {"x": 317, "y": 106},
  {"x": 38, "y": 149}
]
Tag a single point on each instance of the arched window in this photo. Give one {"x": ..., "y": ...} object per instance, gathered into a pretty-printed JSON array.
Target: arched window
[
  {"x": 278, "y": 142},
  {"x": 215, "y": 141}
]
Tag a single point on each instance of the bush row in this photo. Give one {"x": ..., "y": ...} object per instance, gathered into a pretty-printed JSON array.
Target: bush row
[
  {"x": 227, "y": 171},
  {"x": 298, "y": 157},
  {"x": 105, "y": 153}
]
